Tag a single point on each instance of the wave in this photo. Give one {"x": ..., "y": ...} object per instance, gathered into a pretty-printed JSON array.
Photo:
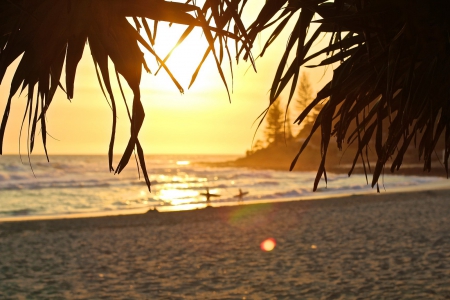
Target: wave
[
  {"x": 251, "y": 175},
  {"x": 25, "y": 183},
  {"x": 18, "y": 212},
  {"x": 266, "y": 183},
  {"x": 140, "y": 202},
  {"x": 75, "y": 184},
  {"x": 286, "y": 194}
]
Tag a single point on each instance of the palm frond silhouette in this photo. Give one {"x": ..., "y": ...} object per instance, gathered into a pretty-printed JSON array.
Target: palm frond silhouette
[
  {"x": 392, "y": 76},
  {"x": 52, "y": 33}
]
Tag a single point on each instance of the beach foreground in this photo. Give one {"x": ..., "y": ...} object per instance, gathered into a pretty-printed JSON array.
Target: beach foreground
[{"x": 374, "y": 246}]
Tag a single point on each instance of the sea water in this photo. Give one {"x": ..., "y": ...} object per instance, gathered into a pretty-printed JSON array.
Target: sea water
[{"x": 77, "y": 185}]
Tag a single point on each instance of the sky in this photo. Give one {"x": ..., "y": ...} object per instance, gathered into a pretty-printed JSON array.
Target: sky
[{"x": 200, "y": 121}]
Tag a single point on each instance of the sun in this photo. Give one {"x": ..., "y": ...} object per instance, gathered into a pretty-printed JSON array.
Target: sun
[{"x": 183, "y": 61}]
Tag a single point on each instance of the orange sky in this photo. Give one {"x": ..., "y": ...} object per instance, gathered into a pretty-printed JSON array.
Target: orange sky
[{"x": 202, "y": 121}]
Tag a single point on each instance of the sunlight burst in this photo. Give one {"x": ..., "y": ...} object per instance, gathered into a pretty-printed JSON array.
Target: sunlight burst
[{"x": 184, "y": 60}]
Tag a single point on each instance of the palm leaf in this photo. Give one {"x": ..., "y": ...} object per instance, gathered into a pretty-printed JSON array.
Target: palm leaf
[
  {"x": 394, "y": 63},
  {"x": 393, "y": 77},
  {"x": 51, "y": 33}
]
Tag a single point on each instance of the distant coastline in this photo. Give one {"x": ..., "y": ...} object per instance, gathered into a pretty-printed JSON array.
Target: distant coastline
[{"x": 339, "y": 162}]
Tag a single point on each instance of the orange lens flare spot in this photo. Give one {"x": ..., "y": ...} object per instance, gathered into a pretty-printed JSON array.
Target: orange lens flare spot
[{"x": 268, "y": 245}]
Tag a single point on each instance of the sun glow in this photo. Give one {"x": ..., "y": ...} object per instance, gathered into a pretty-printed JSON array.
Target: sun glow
[
  {"x": 183, "y": 61},
  {"x": 200, "y": 121}
]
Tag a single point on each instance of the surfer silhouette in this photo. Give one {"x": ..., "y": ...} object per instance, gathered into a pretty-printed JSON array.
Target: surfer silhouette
[
  {"x": 241, "y": 195},
  {"x": 208, "y": 196}
]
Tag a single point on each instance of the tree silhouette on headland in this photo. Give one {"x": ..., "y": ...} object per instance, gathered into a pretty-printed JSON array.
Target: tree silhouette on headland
[
  {"x": 275, "y": 132},
  {"x": 305, "y": 95},
  {"x": 280, "y": 141},
  {"x": 393, "y": 56}
]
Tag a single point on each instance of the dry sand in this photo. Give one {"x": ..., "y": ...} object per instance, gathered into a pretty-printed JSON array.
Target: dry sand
[{"x": 392, "y": 246}]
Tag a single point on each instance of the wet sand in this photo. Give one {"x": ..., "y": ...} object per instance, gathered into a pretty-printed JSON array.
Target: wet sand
[{"x": 391, "y": 246}]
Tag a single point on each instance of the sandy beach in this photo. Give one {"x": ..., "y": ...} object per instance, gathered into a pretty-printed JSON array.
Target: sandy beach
[{"x": 388, "y": 246}]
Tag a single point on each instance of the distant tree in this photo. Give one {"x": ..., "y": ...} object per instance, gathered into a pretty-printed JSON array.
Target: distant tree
[
  {"x": 274, "y": 131},
  {"x": 287, "y": 128},
  {"x": 305, "y": 96},
  {"x": 304, "y": 92}
]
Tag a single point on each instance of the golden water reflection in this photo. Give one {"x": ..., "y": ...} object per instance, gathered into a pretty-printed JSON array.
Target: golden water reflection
[{"x": 177, "y": 196}]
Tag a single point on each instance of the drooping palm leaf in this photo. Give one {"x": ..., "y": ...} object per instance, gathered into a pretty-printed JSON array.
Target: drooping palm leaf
[
  {"x": 51, "y": 33},
  {"x": 393, "y": 76}
]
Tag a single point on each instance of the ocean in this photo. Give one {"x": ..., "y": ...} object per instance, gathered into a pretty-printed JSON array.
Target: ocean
[{"x": 78, "y": 185}]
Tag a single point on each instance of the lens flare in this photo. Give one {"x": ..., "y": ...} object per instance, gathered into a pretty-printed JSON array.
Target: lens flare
[{"x": 268, "y": 245}]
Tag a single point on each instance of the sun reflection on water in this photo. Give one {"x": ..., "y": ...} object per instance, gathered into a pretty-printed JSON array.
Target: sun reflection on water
[{"x": 177, "y": 196}]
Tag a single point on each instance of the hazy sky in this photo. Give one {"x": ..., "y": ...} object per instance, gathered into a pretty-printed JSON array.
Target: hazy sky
[{"x": 201, "y": 121}]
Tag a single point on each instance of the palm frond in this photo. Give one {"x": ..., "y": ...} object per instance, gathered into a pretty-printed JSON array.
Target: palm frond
[
  {"x": 393, "y": 73},
  {"x": 51, "y": 33},
  {"x": 394, "y": 64}
]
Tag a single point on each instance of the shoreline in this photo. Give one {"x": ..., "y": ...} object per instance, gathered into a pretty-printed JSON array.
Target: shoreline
[
  {"x": 440, "y": 186},
  {"x": 345, "y": 199}
]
